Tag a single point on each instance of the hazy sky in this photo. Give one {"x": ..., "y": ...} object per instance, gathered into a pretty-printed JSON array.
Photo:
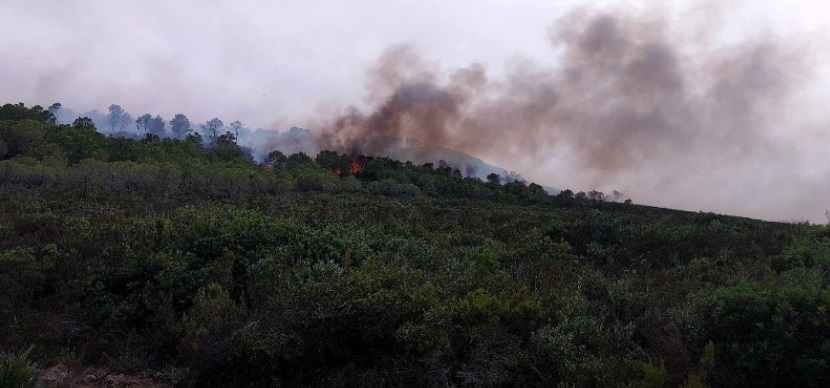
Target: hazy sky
[{"x": 277, "y": 63}]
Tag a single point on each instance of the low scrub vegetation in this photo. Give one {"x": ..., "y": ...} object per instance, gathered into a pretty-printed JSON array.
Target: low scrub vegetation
[{"x": 191, "y": 260}]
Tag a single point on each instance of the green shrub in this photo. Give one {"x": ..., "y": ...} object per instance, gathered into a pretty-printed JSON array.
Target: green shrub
[
  {"x": 767, "y": 335},
  {"x": 17, "y": 370}
]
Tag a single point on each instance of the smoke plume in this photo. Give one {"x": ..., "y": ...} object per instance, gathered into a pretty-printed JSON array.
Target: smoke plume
[
  {"x": 696, "y": 104},
  {"x": 631, "y": 100}
]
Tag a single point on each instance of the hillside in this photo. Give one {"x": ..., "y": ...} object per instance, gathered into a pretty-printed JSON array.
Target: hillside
[{"x": 185, "y": 260}]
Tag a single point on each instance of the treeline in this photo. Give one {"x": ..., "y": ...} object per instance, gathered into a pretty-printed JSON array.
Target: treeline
[
  {"x": 78, "y": 158},
  {"x": 193, "y": 262},
  {"x": 118, "y": 121}
]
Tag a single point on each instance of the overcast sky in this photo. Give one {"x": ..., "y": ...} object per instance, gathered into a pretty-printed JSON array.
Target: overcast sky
[{"x": 276, "y": 63}]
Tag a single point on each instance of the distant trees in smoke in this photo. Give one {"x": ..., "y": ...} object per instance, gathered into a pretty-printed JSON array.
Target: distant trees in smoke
[
  {"x": 54, "y": 109},
  {"x": 494, "y": 179},
  {"x": 118, "y": 121},
  {"x": 118, "y": 118},
  {"x": 142, "y": 123},
  {"x": 212, "y": 127},
  {"x": 592, "y": 195},
  {"x": 180, "y": 126},
  {"x": 235, "y": 127},
  {"x": 258, "y": 143},
  {"x": 149, "y": 125}
]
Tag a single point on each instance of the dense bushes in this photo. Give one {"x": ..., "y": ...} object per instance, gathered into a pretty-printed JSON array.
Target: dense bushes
[
  {"x": 186, "y": 259},
  {"x": 17, "y": 370},
  {"x": 780, "y": 328}
]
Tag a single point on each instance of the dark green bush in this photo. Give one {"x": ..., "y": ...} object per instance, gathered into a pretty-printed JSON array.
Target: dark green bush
[{"x": 17, "y": 370}]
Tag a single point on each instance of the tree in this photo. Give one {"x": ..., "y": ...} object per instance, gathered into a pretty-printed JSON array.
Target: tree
[
  {"x": 566, "y": 195},
  {"x": 126, "y": 119},
  {"x": 226, "y": 149},
  {"x": 180, "y": 125},
  {"x": 276, "y": 159},
  {"x": 536, "y": 190},
  {"x": 332, "y": 161},
  {"x": 236, "y": 126},
  {"x": 79, "y": 142},
  {"x": 83, "y": 122},
  {"x": 213, "y": 126},
  {"x": 142, "y": 123},
  {"x": 54, "y": 109},
  {"x": 226, "y": 138},
  {"x": 151, "y": 138},
  {"x": 21, "y": 112},
  {"x": 763, "y": 333},
  {"x": 115, "y": 116},
  {"x": 299, "y": 161},
  {"x": 21, "y": 136},
  {"x": 493, "y": 179},
  {"x": 156, "y": 126},
  {"x": 194, "y": 137},
  {"x": 595, "y": 195}
]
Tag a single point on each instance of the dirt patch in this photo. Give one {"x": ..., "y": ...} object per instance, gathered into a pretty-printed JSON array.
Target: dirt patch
[{"x": 60, "y": 376}]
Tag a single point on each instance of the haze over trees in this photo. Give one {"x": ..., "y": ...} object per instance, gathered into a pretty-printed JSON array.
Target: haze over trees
[
  {"x": 180, "y": 125},
  {"x": 186, "y": 260},
  {"x": 118, "y": 118},
  {"x": 213, "y": 127},
  {"x": 235, "y": 127}
]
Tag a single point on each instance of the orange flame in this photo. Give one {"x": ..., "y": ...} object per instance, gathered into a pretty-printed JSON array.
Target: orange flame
[{"x": 355, "y": 167}]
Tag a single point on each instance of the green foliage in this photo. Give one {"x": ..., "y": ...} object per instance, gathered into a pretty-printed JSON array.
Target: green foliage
[
  {"x": 207, "y": 327},
  {"x": 344, "y": 270},
  {"x": 768, "y": 334},
  {"x": 78, "y": 142},
  {"x": 276, "y": 160},
  {"x": 20, "y": 137},
  {"x": 654, "y": 376},
  {"x": 17, "y": 370},
  {"x": 19, "y": 112},
  {"x": 392, "y": 189}
]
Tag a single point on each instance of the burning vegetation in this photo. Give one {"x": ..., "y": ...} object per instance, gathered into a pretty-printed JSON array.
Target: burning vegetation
[
  {"x": 354, "y": 169},
  {"x": 630, "y": 101},
  {"x": 624, "y": 96}
]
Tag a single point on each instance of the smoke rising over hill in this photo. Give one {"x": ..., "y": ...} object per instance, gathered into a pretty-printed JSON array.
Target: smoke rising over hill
[
  {"x": 679, "y": 108},
  {"x": 631, "y": 101}
]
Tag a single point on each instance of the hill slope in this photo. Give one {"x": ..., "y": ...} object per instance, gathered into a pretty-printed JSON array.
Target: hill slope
[{"x": 192, "y": 261}]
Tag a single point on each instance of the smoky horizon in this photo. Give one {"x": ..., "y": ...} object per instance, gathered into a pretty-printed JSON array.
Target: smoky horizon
[{"x": 690, "y": 105}]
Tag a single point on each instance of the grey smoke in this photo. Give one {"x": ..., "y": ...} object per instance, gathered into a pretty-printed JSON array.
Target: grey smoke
[
  {"x": 691, "y": 105},
  {"x": 630, "y": 103}
]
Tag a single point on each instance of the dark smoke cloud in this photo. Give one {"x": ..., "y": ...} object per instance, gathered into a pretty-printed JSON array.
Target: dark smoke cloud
[
  {"x": 621, "y": 96},
  {"x": 629, "y": 99}
]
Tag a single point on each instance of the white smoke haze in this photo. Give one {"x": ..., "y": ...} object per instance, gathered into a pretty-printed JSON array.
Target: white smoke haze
[{"x": 689, "y": 104}]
